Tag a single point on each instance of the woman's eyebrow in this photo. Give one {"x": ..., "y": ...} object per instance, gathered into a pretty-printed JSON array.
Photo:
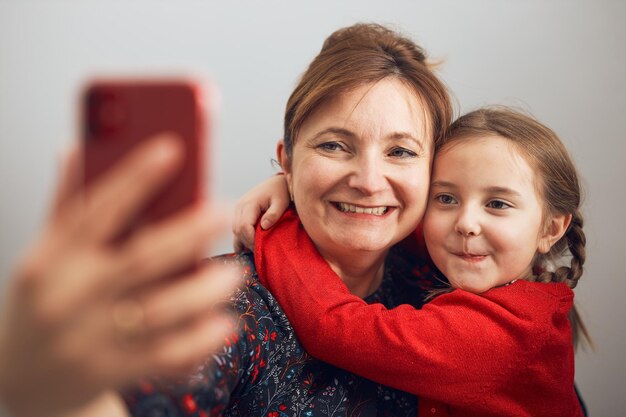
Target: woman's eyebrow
[
  {"x": 349, "y": 134},
  {"x": 336, "y": 131},
  {"x": 408, "y": 136}
]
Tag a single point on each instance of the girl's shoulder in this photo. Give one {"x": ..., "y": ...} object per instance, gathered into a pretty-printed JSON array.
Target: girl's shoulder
[
  {"x": 522, "y": 304},
  {"x": 534, "y": 293}
]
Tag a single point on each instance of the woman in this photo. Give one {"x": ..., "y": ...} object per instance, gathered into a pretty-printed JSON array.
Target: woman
[
  {"x": 359, "y": 135},
  {"x": 360, "y": 130}
]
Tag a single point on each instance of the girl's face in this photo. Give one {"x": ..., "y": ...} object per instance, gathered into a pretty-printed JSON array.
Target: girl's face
[
  {"x": 484, "y": 224},
  {"x": 360, "y": 170}
]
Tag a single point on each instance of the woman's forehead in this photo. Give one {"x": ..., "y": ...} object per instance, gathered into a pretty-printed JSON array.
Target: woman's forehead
[{"x": 387, "y": 107}]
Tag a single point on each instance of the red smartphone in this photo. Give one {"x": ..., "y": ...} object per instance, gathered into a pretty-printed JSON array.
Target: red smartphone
[{"x": 117, "y": 115}]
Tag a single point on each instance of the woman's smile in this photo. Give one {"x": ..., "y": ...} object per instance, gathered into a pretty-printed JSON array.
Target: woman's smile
[{"x": 348, "y": 208}]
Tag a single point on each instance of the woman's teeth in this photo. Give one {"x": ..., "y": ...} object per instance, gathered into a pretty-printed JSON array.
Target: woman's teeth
[{"x": 351, "y": 208}]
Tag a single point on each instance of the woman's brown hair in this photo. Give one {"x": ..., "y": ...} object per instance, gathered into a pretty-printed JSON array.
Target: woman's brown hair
[
  {"x": 556, "y": 181},
  {"x": 362, "y": 54}
]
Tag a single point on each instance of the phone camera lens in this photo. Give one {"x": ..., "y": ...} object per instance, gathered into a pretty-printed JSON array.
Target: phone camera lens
[{"x": 105, "y": 113}]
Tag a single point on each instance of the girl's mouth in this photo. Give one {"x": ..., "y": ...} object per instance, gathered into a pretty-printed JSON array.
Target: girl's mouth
[{"x": 471, "y": 257}]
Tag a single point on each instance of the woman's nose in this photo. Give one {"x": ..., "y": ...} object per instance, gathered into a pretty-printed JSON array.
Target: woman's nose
[
  {"x": 368, "y": 176},
  {"x": 468, "y": 222}
]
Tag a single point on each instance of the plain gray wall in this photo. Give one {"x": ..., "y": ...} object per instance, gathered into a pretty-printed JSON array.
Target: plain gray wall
[{"x": 564, "y": 61}]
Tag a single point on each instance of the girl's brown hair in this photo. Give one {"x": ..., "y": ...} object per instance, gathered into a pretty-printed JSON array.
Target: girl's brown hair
[
  {"x": 362, "y": 54},
  {"x": 556, "y": 181}
]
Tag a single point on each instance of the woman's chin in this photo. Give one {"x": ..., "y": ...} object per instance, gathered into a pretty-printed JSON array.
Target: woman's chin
[{"x": 363, "y": 242}]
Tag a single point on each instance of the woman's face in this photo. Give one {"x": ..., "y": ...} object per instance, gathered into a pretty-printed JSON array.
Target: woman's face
[{"x": 360, "y": 169}]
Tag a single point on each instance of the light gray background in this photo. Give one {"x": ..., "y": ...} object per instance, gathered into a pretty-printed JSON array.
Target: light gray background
[{"x": 562, "y": 60}]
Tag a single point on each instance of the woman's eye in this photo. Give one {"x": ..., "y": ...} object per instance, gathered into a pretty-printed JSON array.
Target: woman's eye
[
  {"x": 330, "y": 146},
  {"x": 402, "y": 153},
  {"x": 445, "y": 199},
  {"x": 498, "y": 205}
]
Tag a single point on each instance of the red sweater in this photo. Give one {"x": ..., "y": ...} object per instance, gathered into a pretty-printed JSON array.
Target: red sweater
[{"x": 506, "y": 352}]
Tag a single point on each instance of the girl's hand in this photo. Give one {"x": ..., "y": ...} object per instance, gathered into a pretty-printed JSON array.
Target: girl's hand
[
  {"x": 269, "y": 199},
  {"x": 82, "y": 316}
]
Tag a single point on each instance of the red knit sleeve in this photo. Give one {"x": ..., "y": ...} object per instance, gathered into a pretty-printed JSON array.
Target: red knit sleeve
[{"x": 455, "y": 348}]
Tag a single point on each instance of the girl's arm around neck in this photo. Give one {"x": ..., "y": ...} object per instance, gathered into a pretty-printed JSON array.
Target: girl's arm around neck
[{"x": 460, "y": 342}]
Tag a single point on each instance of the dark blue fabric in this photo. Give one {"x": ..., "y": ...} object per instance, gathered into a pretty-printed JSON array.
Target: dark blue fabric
[{"x": 263, "y": 370}]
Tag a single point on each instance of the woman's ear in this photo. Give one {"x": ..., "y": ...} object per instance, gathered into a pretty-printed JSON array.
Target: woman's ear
[
  {"x": 554, "y": 230},
  {"x": 285, "y": 164},
  {"x": 281, "y": 156}
]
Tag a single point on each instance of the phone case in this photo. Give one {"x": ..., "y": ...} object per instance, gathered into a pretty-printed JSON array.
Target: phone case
[{"x": 120, "y": 114}]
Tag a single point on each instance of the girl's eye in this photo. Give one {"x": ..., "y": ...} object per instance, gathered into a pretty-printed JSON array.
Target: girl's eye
[
  {"x": 498, "y": 205},
  {"x": 331, "y": 146},
  {"x": 402, "y": 153},
  {"x": 445, "y": 199}
]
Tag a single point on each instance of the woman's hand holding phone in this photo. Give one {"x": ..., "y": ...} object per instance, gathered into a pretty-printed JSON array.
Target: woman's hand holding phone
[{"x": 82, "y": 316}]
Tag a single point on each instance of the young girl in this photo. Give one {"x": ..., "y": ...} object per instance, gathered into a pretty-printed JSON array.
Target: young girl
[{"x": 503, "y": 210}]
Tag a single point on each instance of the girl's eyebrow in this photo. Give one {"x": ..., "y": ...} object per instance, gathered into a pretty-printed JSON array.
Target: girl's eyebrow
[
  {"x": 491, "y": 190},
  {"x": 503, "y": 190},
  {"x": 442, "y": 184}
]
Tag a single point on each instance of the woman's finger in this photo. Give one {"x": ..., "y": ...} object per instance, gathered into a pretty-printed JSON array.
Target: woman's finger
[
  {"x": 68, "y": 182},
  {"x": 84, "y": 275},
  {"x": 128, "y": 338},
  {"x": 177, "y": 351},
  {"x": 181, "y": 350},
  {"x": 167, "y": 247},
  {"x": 121, "y": 192},
  {"x": 185, "y": 299}
]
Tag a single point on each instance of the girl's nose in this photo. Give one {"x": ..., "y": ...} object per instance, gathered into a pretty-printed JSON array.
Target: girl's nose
[{"x": 467, "y": 223}]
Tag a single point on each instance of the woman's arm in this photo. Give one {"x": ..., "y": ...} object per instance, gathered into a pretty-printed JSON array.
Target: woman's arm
[
  {"x": 81, "y": 317},
  {"x": 458, "y": 340}
]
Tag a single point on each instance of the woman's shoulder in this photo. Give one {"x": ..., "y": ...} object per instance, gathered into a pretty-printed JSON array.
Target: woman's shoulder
[
  {"x": 265, "y": 340},
  {"x": 243, "y": 259},
  {"x": 256, "y": 307},
  {"x": 251, "y": 292}
]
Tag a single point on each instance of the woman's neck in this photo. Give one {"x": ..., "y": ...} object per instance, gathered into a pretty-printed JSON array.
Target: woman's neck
[{"x": 361, "y": 272}]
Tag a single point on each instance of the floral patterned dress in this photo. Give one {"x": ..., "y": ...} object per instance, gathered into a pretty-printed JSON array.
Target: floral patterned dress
[{"x": 263, "y": 370}]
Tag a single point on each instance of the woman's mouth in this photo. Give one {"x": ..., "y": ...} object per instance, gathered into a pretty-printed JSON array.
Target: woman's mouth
[{"x": 352, "y": 208}]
